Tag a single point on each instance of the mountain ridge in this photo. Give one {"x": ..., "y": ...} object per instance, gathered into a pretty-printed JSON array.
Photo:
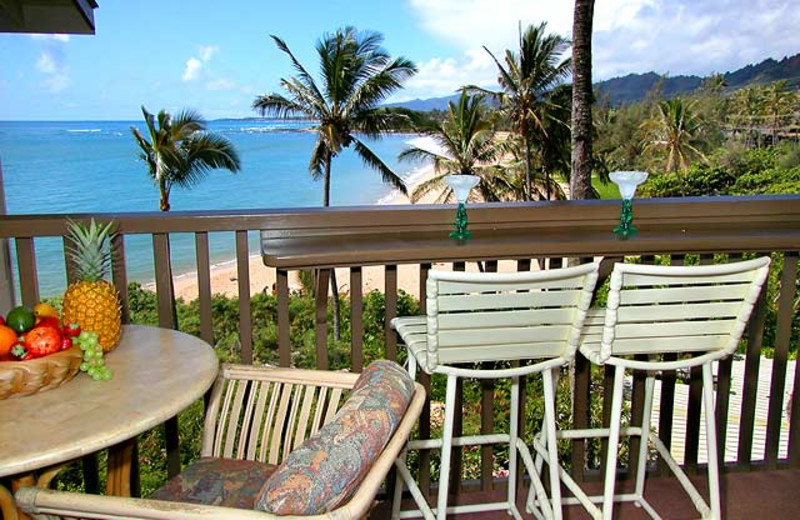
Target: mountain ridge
[{"x": 635, "y": 86}]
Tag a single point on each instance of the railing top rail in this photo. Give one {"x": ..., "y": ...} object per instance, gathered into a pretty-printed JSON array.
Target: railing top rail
[{"x": 298, "y": 222}]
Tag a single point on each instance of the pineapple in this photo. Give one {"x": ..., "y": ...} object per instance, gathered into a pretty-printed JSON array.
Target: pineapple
[{"x": 92, "y": 302}]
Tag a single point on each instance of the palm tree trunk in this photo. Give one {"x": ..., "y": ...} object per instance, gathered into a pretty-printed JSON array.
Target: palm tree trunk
[
  {"x": 164, "y": 204},
  {"x": 528, "y": 187},
  {"x": 580, "y": 184},
  {"x": 326, "y": 201}
]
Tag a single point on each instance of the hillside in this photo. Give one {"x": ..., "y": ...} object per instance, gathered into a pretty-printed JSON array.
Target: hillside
[{"x": 634, "y": 87}]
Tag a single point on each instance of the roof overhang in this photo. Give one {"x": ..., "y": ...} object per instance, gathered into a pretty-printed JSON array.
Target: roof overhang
[{"x": 47, "y": 16}]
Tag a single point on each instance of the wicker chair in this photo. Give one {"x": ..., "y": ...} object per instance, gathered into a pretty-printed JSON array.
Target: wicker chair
[{"x": 255, "y": 414}]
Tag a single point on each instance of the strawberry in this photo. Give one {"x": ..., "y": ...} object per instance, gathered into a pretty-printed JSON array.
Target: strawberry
[
  {"x": 73, "y": 330},
  {"x": 41, "y": 341},
  {"x": 19, "y": 351},
  {"x": 66, "y": 343}
]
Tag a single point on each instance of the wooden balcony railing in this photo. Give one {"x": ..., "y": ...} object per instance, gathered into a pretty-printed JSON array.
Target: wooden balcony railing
[{"x": 530, "y": 233}]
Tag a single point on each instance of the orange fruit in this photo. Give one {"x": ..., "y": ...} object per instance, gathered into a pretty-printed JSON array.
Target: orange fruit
[{"x": 8, "y": 337}]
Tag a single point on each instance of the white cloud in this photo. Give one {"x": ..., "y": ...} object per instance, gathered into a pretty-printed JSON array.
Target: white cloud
[
  {"x": 52, "y": 61},
  {"x": 207, "y": 51},
  {"x": 63, "y": 38},
  {"x": 195, "y": 65},
  {"x": 667, "y": 36},
  {"x": 192, "y": 69},
  {"x": 442, "y": 77},
  {"x": 45, "y": 64},
  {"x": 220, "y": 84}
]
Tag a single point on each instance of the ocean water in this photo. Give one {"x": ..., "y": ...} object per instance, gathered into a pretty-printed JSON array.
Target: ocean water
[{"x": 93, "y": 166}]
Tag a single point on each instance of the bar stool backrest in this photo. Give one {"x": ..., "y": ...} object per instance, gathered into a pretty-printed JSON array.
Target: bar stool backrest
[
  {"x": 674, "y": 309},
  {"x": 475, "y": 317}
]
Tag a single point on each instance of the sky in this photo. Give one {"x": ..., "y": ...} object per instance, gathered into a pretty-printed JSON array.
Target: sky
[{"x": 216, "y": 57}]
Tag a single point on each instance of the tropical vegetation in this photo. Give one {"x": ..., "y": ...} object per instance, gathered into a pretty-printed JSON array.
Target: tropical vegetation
[
  {"x": 528, "y": 79},
  {"x": 465, "y": 145}
]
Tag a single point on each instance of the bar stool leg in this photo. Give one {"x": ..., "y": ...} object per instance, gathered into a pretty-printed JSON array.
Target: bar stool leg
[
  {"x": 552, "y": 443},
  {"x": 647, "y": 414},
  {"x": 711, "y": 443},
  {"x": 447, "y": 445},
  {"x": 613, "y": 444}
]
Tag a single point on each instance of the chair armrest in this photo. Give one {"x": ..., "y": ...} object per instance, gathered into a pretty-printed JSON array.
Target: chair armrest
[
  {"x": 360, "y": 503},
  {"x": 62, "y": 504}
]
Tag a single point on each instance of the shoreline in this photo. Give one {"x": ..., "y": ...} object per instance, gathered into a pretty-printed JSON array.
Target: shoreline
[{"x": 224, "y": 278}]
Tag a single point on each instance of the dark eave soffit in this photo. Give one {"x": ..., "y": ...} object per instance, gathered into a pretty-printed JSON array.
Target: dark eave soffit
[{"x": 47, "y": 16}]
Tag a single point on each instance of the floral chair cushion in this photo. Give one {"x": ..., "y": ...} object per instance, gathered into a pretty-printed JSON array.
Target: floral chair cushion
[
  {"x": 328, "y": 467},
  {"x": 217, "y": 482}
]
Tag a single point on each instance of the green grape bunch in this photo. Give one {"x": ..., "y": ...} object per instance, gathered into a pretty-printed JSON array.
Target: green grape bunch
[{"x": 93, "y": 363}]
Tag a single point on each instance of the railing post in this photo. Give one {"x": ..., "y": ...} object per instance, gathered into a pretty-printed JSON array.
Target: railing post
[{"x": 7, "y": 299}]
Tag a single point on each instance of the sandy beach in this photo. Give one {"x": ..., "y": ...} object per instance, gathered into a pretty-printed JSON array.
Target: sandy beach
[{"x": 224, "y": 276}]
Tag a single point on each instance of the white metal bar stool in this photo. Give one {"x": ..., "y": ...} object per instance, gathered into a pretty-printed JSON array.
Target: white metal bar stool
[
  {"x": 476, "y": 317},
  {"x": 656, "y": 310}
]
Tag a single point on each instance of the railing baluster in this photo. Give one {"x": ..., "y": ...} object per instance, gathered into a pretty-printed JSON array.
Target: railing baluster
[
  {"x": 243, "y": 281},
  {"x": 390, "y": 284},
  {"x": 204, "y": 286},
  {"x": 523, "y": 265},
  {"x": 456, "y": 461},
  {"x": 321, "y": 317},
  {"x": 356, "y": 320},
  {"x": 164, "y": 288},
  {"x": 605, "y": 269},
  {"x": 168, "y": 320},
  {"x": 487, "y": 415},
  {"x": 783, "y": 334},
  {"x": 425, "y": 381},
  {"x": 284, "y": 347},
  {"x": 26, "y": 265},
  {"x": 119, "y": 275},
  {"x": 692, "y": 438},
  {"x": 723, "y": 390},
  {"x": 755, "y": 336},
  {"x": 69, "y": 264},
  {"x": 668, "y": 382}
]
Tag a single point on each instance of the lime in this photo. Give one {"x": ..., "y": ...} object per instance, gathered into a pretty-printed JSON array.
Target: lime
[{"x": 21, "y": 319}]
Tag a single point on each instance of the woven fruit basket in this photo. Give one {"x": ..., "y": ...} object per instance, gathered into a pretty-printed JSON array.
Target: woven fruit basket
[{"x": 19, "y": 378}]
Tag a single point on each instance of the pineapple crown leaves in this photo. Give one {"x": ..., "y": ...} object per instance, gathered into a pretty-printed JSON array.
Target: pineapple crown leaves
[{"x": 89, "y": 248}]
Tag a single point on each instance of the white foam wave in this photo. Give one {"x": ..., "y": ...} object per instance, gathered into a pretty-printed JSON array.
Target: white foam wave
[{"x": 85, "y": 131}]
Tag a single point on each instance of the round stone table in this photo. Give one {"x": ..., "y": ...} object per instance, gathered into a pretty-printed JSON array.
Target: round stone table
[{"x": 157, "y": 373}]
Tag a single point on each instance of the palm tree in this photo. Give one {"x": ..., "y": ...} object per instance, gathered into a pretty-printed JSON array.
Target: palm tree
[
  {"x": 777, "y": 103},
  {"x": 674, "y": 130},
  {"x": 181, "y": 152},
  {"x": 581, "y": 178},
  {"x": 527, "y": 79},
  {"x": 466, "y": 146},
  {"x": 356, "y": 75}
]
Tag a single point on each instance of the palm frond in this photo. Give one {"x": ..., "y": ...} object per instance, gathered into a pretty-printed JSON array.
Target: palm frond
[
  {"x": 319, "y": 154},
  {"x": 275, "y": 105},
  {"x": 307, "y": 79},
  {"x": 373, "y": 161}
]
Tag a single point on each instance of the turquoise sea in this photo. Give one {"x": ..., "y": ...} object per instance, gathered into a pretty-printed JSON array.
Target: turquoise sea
[{"x": 93, "y": 166}]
